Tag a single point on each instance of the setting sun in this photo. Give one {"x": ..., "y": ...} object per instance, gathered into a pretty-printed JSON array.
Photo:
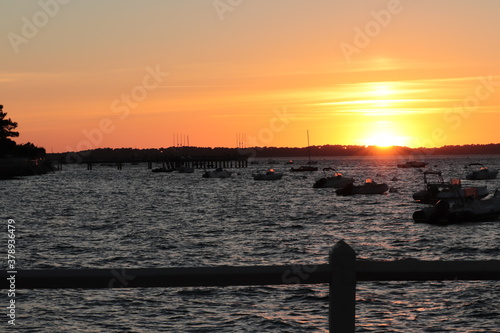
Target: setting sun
[
  {"x": 383, "y": 133},
  {"x": 384, "y": 140},
  {"x": 381, "y": 89}
]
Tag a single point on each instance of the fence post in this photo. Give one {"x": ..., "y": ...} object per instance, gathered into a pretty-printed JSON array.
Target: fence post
[{"x": 342, "y": 288}]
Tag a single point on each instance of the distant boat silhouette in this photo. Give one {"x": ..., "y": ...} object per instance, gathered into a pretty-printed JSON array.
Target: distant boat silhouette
[
  {"x": 482, "y": 173},
  {"x": 270, "y": 174},
  {"x": 307, "y": 167},
  {"x": 413, "y": 164},
  {"x": 337, "y": 180},
  {"x": 218, "y": 173},
  {"x": 369, "y": 187},
  {"x": 304, "y": 168}
]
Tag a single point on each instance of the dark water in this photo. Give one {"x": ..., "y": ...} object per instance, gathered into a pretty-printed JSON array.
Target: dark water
[{"x": 134, "y": 218}]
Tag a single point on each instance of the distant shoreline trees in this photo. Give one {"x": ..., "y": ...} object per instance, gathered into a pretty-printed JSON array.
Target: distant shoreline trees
[{"x": 159, "y": 154}]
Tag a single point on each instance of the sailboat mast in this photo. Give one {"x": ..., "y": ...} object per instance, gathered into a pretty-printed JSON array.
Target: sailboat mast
[{"x": 308, "y": 146}]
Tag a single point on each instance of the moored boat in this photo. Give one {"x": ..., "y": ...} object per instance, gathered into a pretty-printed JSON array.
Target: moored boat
[
  {"x": 482, "y": 173},
  {"x": 412, "y": 164},
  {"x": 304, "y": 168},
  {"x": 337, "y": 180},
  {"x": 435, "y": 189},
  {"x": 461, "y": 210},
  {"x": 270, "y": 174},
  {"x": 217, "y": 173},
  {"x": 310, "y": 163},
  {"x": 369, "y": 187}
]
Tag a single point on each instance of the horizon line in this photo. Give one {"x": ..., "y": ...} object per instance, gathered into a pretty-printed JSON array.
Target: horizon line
[{"x": 387, "y": 148}]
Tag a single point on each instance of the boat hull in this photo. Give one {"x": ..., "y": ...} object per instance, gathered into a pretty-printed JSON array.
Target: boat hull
[
  {"x": 274, "y": 176},
  {"x": 363, "y": 189},
  {"x": 471, "y": 210},
  {"x": 304, "y": 168},
  {"x": 482, "y": 175},
  {"x": 413, "y": 164},
  {"x": 333, "y": 182},
  {"x": 217, "y": 174}
]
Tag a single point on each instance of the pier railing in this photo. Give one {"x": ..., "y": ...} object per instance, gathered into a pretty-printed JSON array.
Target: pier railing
[{"x": 341, "y": 273}]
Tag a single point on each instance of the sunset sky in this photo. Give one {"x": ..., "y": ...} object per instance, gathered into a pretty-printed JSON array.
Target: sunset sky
[{"x": 87, "y": 74}]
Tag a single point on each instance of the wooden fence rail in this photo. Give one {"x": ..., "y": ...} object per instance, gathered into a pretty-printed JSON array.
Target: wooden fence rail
[{"x": 342, "y": 274}]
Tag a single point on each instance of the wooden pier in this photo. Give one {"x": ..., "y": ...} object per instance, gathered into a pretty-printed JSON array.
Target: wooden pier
[
  {"x": 342, "y": 274},
  {"x": 168, "y": 162}
]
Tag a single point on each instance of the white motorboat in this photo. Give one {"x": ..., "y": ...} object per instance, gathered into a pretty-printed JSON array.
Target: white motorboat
[
  {"x": 435, "y": 189},
  {"x": 481, "y": 173},
  {"x": 270, "y": 174},
  {"x": 337, "y": 180},
  {"x": 217, "y": 173}
]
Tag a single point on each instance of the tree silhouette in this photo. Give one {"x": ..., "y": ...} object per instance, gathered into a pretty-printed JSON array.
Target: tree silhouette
[{"x": 7, "y": 126}]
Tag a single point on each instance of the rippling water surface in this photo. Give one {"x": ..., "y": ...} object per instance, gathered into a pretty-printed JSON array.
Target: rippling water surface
[{"x": 133, "y": 218}]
